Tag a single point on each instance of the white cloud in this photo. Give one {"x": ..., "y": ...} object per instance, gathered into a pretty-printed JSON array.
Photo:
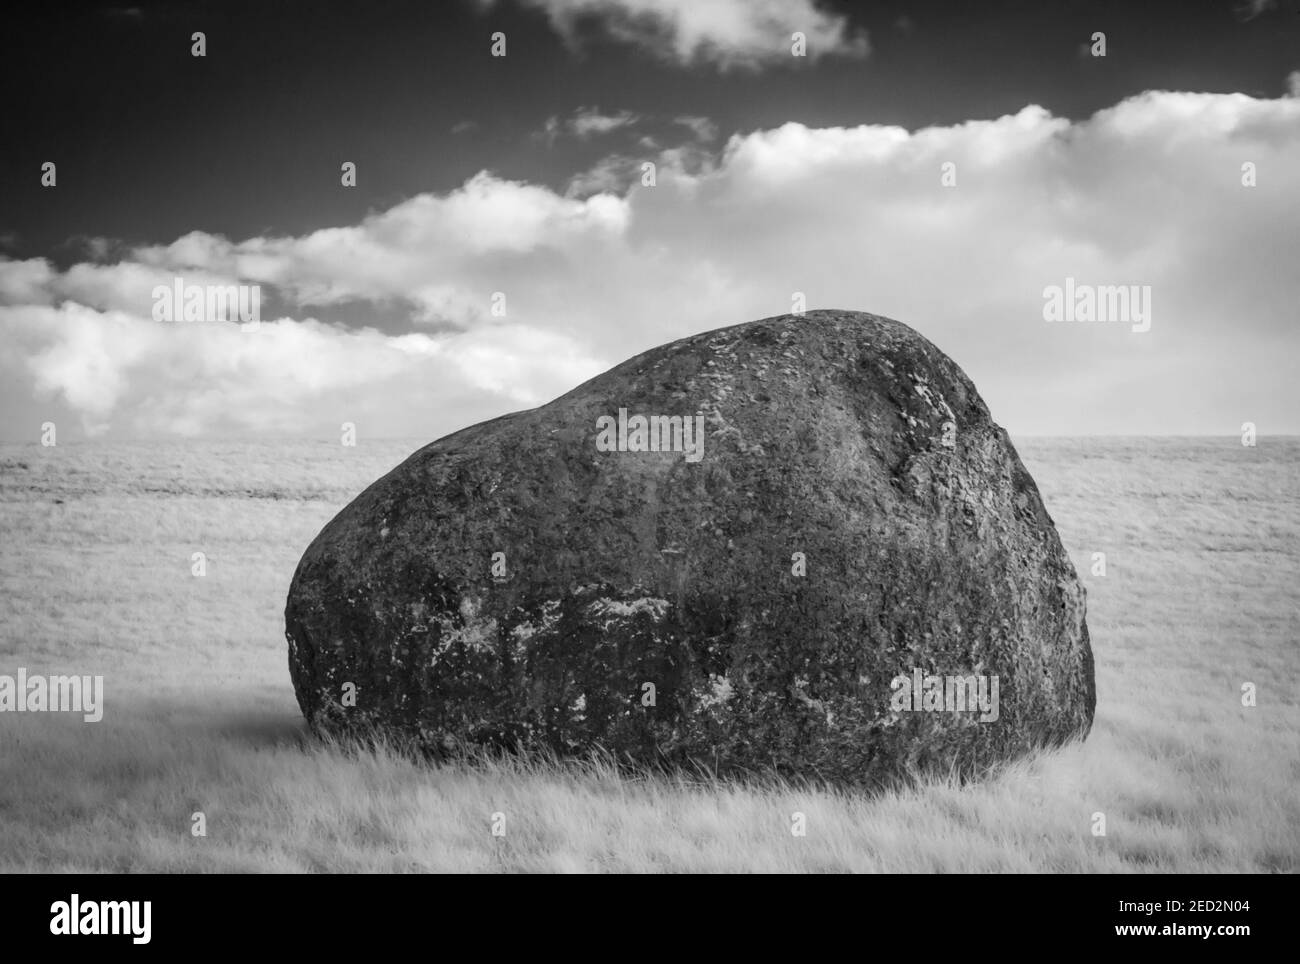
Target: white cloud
[
  {"x": 728, "y": 33},
  {"x": 611, "y": 174},
  {"x": 589, "y": 121},
  {"x": 127, "y": 286},
  {"x": 443, "y": 254},
  {"x": 586, "y": 123},
  {"x": 1148, "y": 192},
  {"x": 702, "y": 127},
  {"x": 25, "y": 282},
  {"x": 287, "y": 377}
]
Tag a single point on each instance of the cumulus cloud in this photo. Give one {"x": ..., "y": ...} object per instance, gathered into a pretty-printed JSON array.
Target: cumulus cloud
[
  {"x": 118, "y": 370},
  {"x": 441, "y": 254},
  {"x": 727, "y": 33},
  {"x": 1148, "y": 192},
  {"x": 25, "y": 282}
]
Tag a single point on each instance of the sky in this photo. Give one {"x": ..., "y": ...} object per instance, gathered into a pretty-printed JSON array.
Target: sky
[{"x": 944, "y": 164}]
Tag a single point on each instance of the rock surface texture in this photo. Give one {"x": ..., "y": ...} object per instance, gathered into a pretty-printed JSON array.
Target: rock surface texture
[{"x": 855, "y": 517}]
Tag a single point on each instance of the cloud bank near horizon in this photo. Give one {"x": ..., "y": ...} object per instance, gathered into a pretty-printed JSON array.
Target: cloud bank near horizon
[{"x": 389, "y": 323}]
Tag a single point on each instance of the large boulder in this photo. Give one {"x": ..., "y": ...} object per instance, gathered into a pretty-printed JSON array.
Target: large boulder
[{"x": 799, "y": 593}]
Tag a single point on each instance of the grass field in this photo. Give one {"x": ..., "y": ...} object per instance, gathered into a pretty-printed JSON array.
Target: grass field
[{"x": 1201, "y": 594}]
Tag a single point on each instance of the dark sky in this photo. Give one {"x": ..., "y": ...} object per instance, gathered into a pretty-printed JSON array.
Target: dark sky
[{"x": 152, "y": 143}]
